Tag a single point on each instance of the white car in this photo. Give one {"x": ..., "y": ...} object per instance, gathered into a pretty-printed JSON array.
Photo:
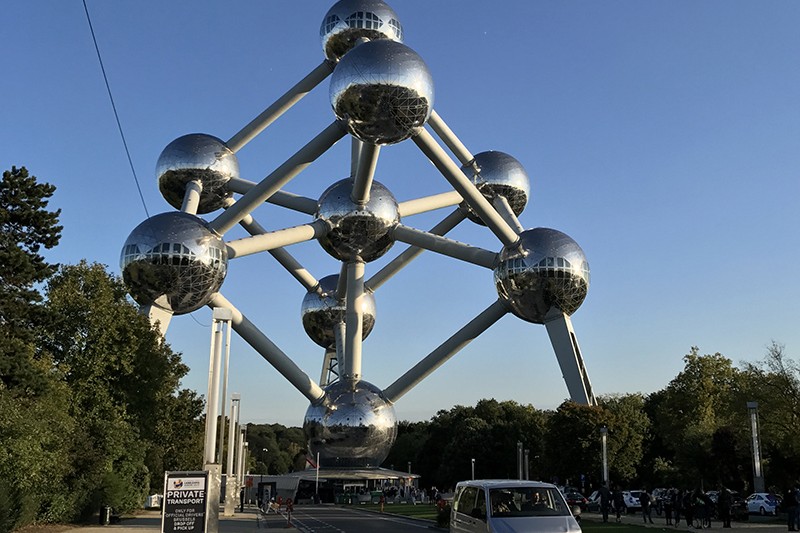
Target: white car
[{"x": 762, "y": 503}]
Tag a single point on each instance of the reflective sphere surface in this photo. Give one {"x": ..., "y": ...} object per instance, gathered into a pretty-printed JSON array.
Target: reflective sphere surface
[
  {"x": 497, "y": 174},
  {"x": 545, "y": 270},
  {"x": 383, "y": 91},
  {"x": 357, "y": 230},
  {"x": 349, "y": 20},
  {"x": 174, "y": 261},
  {"x": 196, "y": 157},
  {"x": 320, "y": 313},
  {"x": 354, "y": 426}
]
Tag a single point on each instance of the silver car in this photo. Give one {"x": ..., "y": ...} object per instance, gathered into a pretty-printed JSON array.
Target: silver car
[{"x": 510, "y": 506}]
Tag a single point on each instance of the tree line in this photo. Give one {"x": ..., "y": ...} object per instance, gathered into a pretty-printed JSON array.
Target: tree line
[{"x": 92, "y": 411}]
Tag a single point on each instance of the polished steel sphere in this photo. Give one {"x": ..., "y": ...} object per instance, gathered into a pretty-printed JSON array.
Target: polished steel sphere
[
  {"x": 173, "y": 261},
  {"x": 357, "y": 231},
  {"x": 546, "y": 269},
  {"x": 350, "y": 20},
  {"x": 383, "y": 91},
  {"x": 497, "y": 174},
  {"x": 322, "y": 311},
  {"x": 196, "y": 157},
  {"x": 352, "y": 426}
]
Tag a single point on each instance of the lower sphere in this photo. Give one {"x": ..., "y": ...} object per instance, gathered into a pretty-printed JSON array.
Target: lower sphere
[{"x": 353, "y": 426}]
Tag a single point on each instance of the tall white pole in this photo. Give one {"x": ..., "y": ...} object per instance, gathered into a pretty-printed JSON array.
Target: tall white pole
[
  {"x": 224, "y": 316},
  {"x": 212, "y": 403},
  {"x": 604, "y": 446}
]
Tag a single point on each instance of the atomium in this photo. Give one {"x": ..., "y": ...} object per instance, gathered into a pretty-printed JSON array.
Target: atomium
[
  {"x": 198, "y": 158},
  {"x": 498, "y": 175},
  {"x": 545, "y": 270},
  {"x": 357, "y": 230},
  {"x": 353, "y": 427},
  {"x": 322, "y": 310},
  {"x": 350, "y": 20},
  {"x": 173, "y": 261},
  {"x": 381, "y": 92}
]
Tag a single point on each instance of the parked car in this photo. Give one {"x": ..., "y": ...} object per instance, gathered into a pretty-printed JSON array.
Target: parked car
[
  {"x": 762, "y": 503},
  {"x": 576, "y": 499},
  {"x": 631, "y": 499},
  {"x": 739, "y": 510},
  {"x": 593, "y": 502},
  {"x": 510, "y": 506}
]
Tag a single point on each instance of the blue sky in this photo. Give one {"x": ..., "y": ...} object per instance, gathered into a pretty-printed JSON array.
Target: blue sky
[{"x": 664, "y": 137}]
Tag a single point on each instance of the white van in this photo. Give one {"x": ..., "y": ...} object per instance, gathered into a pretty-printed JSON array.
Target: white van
[{"x": 510, "y": 506}]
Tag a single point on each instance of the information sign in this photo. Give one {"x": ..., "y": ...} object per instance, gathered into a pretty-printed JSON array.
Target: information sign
[{"x": 185, "y": 500}]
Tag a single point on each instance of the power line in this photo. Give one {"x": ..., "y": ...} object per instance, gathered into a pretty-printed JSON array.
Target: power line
[{"x": 114, "y": 107}]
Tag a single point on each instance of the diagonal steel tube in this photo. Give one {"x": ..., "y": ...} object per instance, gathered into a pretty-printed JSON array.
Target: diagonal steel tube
[
  {"x": 281, "y": 105},
  {"x": 445, "y": 246},
  {"x": 269, "y": 351},
  {"x": 445, "y": 351},
  {"x": 465, "y": 188},
  {"x": 280, "y": 177},
  {"x": 449, "y": 138}
]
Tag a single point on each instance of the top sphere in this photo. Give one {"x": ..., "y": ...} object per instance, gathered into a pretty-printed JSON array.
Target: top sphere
[
  {"x": 546, "y": 269},
  {"x": 497, "y": 174},
  {"x": 196, "y": 157},
  {"x": 350, "y": 20},
  {"x": 382, "y": 91},
  {"x": 174, "y": 261}
]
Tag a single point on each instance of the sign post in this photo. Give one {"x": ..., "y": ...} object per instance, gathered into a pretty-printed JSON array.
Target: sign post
[{"x": 185, "y": 508}]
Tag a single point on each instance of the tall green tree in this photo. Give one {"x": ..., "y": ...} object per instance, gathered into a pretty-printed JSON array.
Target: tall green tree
[
  {"x": 27, "y": 228},
  {"x": 35, "y": 425},
  {"x": 125, "y": 389}
]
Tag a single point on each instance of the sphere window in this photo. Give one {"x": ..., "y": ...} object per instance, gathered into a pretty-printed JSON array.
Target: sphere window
[{"x": 364, "y": 20}]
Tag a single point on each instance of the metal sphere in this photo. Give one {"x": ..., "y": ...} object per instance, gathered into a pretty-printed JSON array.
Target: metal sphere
[
  {"x": 196, "y": 157},
  {"x": 383, "y": 91},
  {"x": 353, "y": 426},
  {"x": 357, "y": 231},
  {"x": 545, "y": 269},
  {"x": 350, "y": 20},
  {"x": 497, "y": 174},
  {"x": 173, "y": 261},
  {"x": 321, "y": 311}
]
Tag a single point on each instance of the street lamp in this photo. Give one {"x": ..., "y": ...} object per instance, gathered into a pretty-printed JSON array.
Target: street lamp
[
  {"x": 473, "y": 468},
  {"x": 758, "y": 475},
  {"x": 604, "y": 446},
  {"x": 409, "y": 467}
]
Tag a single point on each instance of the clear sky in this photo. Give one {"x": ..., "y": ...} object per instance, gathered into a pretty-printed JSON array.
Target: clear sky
[{"x": 664, "y": 137}]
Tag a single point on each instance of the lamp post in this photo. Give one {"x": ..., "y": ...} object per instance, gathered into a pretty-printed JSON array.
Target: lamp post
[
  {"x": 519, "y": 459},
  {"x": 527, "y": 465},
  {"x": 604, "y": 446},
  {"x": 473, "y": 468},
  {"x": 409, "y": 467},
  {"x": 758, "y": 475}
]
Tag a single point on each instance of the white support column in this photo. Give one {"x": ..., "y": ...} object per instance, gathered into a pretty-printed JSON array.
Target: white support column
[
  {"x": 362, "y": 180},
  {"x": 159, "y": 316},
  {"x": 445, "y": 246},
  {"x": 277, "y": 239},
  {"x": 428, "y": 203},
  {"x": 354, "y": 320},
  {"x": 191, "y": 198},
  {"x": 224, "y": 316},
  {"x": 231, "y": 486},
  {"x": 568, "y": 353},
  {"x": 449, "y": 138}
]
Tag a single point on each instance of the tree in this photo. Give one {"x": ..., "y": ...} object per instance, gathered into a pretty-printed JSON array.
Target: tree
[
  {"x": 572, "y": 441},
  {"x": 124, "y": 383},
  {"x": 26, "y": 227}
]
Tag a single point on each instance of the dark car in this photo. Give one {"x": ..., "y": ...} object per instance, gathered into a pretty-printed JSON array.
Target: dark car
[
  {"x": 577, "y": 499},
  {"x": 739, "y": 510}
]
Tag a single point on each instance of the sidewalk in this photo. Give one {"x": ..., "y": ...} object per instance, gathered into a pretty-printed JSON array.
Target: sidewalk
[{"x": 150, "y": 522}]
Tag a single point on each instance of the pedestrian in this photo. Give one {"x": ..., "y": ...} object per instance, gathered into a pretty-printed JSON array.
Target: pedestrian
[
  {"x": 644, "y": 501},
  {"x": 667, "y": 505},
  {"x": 677, "y": 505},
  {"x": 619, "y": 502},
  {"x": 724, "y": 502},
  {"x": 790, "y": 506},
  {"x": 605, "y": 500},
  {"x": 688, "y": 507}
]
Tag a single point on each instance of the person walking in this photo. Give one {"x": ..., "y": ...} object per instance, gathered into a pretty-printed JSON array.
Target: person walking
[
  {"x": 677, "y": 505},
  {"x": 619, "y": 502},
  {"x": 724, "y": 502},
  {"x": 644, "y": 501},
  {"x": 667, "y": 506},
  {"x": 605, "y": 501}
]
